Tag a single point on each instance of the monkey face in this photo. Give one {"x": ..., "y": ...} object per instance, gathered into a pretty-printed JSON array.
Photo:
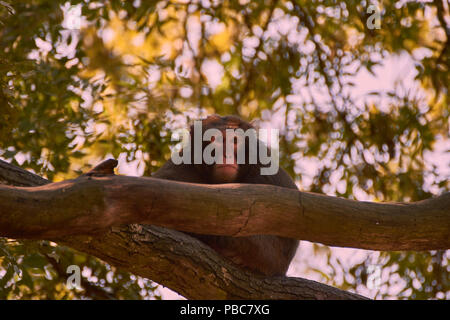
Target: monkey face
[
  {"x": 230, "y": 168},
  {"x": 267, "y": 255}
]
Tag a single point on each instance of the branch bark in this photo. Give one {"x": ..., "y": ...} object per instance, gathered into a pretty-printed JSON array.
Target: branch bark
[
  {"x": 99, "y": 200},
  {"x": 192, "y": 269},
  {"x": 168, "y": 257}
]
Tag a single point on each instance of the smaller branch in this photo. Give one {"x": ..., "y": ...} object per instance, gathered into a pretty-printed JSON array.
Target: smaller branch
[
  {"x": 440, "y": 10},
  {"x": 440, "y": 14},
  {"x": 193, "y": 269},
  {"x": 103, "y": 169},
  {"x": 251, "y": 68},
  {"x": 13, "y": 175}
]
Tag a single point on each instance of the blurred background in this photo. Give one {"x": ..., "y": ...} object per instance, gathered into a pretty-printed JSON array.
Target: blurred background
[{"x": 358, "y": 89}]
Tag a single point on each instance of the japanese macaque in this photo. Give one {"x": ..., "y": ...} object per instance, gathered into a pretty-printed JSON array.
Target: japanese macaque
[{"x": 264, "y": 254}]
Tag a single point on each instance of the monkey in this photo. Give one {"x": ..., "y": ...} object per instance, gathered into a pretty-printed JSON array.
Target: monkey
[{"x": 266, "y": 255}]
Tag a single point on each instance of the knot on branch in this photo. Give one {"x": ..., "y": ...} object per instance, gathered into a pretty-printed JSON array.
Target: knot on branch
[{"x": 103, "y": 169}]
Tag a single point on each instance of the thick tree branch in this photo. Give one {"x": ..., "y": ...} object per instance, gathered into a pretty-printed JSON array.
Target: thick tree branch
[
  {"x": 180, "y": 262},
  {"x": 98, "y": 200},
  {"x": 192, "y": 269}
]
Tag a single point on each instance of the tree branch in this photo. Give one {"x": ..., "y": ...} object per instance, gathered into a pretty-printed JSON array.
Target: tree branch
[
  {"x": 191, "y": 268},
  {"x": 99, "y": 200}
]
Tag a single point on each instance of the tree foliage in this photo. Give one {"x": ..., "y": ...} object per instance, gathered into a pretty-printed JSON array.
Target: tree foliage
[{"x": 135, "y": 70}]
